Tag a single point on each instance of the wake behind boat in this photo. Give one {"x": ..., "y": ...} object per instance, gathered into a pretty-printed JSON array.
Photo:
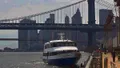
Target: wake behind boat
[{"x": 61, "y": 52}]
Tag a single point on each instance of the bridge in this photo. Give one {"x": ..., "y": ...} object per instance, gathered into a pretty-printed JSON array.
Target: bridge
[
  {"x": 59, "y": 19},
  {"x": 79, "y": 27}
]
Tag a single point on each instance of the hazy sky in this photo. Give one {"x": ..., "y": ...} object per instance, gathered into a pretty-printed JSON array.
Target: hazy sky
[{"x": 17, "y": 8}]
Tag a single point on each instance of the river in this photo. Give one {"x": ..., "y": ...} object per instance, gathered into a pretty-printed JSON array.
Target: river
[{"x": 29, "y": 60}]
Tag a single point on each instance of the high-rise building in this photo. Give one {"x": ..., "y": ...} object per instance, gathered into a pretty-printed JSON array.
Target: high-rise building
[
  {"x": 103, "y": 13},
  {"x": 67, "y": 32},
  {"x": 67, "y": 21},
  {"x": 47, "y": 35},
  {"x": 28, "y": 39},
  {"x": 52, "y": 18},
  {"x": 77, "y": 36},
  {"x": 77, "y": 19}
]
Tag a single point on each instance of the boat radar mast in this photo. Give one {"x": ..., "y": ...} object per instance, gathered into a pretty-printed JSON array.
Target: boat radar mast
[{"x": 62, "y": 36}]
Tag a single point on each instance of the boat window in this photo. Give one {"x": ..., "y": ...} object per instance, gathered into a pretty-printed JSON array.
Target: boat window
[
  {"x": 60, "y": 44},
  {"x": 60, "y": 52},
  {"x": 53, "y": 45},
  {"x": 45, "y": 54},
  {"x": 67, "y": 44},
  {"x": 73, "y": 44},
  {"x": 57, "y": 44},
  {"x": 70, "y": 44},
  {"x": 47, "y": 46}
]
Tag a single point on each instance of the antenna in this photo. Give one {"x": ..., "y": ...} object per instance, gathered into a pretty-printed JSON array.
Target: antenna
[{"x": 62, "y": 35}]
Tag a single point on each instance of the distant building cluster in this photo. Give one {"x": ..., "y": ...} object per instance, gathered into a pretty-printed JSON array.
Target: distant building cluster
[{"x": 33, "y": 40}]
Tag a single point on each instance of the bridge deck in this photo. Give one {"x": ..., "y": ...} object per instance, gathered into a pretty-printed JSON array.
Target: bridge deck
[{"x": 80, "y": 27}]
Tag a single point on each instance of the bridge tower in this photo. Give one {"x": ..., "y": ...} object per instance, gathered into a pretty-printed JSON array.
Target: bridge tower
[{"x": 91, "y": 21}]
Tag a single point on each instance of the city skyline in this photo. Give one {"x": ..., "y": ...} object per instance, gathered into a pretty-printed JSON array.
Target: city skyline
[{"x": 28, "y": 8}]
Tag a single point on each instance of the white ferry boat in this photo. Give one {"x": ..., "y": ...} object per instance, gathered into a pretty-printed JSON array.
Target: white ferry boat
[{"x": 61, "y": 52}]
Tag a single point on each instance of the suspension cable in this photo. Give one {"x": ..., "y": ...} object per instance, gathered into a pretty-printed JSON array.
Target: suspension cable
[
  {"x": 105, "y": 3},
  {"x": 44, "y": 12}
]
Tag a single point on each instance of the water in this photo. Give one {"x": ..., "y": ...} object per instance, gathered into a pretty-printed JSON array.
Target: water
[{"x": 28, "y": 60}]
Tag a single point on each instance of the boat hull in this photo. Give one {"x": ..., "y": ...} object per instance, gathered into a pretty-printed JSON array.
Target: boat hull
[{"x": 63, "y": 61}]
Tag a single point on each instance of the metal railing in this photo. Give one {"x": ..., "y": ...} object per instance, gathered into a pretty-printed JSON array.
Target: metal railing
[{"x": 89, "y": 62}]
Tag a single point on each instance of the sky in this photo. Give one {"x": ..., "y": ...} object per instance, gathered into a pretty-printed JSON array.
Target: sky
[{"x": 18, "y": 8}]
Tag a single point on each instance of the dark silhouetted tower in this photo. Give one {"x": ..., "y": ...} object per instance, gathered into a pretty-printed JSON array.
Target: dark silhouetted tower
[
  {"x": 67, "y": 32},
  {"x": 67, "y": 21},
  {"x": 52, "y": 18},
  {"x": 77, "y": 19},
  {"x": 91, "y": 21}
]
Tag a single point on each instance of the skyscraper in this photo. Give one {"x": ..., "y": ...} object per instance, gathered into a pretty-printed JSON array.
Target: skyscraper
[
  {"x": 67, "y": 32},
  {"x": 77, "y": 19},
  {"x": 103, "y": 13},
  {"x": 28, "y": 39},
  {"x": 77, "y": 36},
  {"x": 67, "y": 21},
  {"x": 47, "y": 35}
]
